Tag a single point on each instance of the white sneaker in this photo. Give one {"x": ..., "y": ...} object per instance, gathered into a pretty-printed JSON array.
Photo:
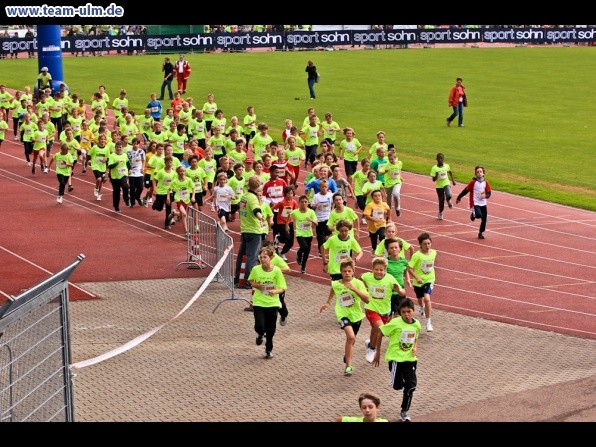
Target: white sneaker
[
  {"x": 95, "y": 192},
  {"x": 98, "y": 197},
  {"x": 28, "y": 163},
  {"x": 150, "y": 200},
  {"x": 46, "y": 170},
  {"x": 284, "y": 257},
  {"x": 364, "y": 222},
  {"x": 59, "y": 199},
  {"x": 366, "y": 343},
  {"x": 429, "y": 327},
  {"x": 370, "y": 355},
  {"x": 404, "y": 416},
  {"x": 440, "y": 217}
]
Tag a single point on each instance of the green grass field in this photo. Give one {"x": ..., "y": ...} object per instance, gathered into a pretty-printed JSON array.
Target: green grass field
[{"x": 530, "y": 119}]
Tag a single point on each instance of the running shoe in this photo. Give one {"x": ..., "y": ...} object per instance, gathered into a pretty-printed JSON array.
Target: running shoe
[{"x": 348, "y": 371}]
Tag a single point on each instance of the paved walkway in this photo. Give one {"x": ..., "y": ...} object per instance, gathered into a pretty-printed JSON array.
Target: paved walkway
[{"x": 204, "y": 366}]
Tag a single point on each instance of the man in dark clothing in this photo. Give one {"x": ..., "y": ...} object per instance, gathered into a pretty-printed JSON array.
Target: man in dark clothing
[{"x": 168, "y": 77}]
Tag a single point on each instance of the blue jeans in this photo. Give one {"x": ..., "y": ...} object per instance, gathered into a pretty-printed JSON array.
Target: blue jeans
[
  {"x": 458, "y": 111},
  {"x": 168, "y": 83},
  {"x": 311, "y": 87},
  {"x": 249, "y": 247}
]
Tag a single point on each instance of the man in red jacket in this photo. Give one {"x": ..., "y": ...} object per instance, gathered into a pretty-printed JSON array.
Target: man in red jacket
[{"x": 182, "y": 70}]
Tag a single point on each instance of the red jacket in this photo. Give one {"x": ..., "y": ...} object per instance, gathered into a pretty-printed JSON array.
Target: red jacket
[
  {"x": 454, "y": 97},
  {"x": 185, "y": 68},
  {"x": 470, "y": 189}
]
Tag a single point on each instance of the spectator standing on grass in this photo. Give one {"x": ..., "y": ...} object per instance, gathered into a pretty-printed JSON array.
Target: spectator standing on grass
[
  {"x": 480, "y": 191},
  {"x": 421, "y": 267},
  {"x": 267, "y": 282},
  {"x": 251, "y": 223},
  {"x": 369, "y": 406},
  {"x": 403, "y": 333},
  {"x": 348, "y": 292},
  {"x": 168, "y": 76},
  {"x": 183, "y": 70},
  {"x": 457, "y": 100},
  {"x": 443, "y": 178},
  {"x": 312, "y": 78}
]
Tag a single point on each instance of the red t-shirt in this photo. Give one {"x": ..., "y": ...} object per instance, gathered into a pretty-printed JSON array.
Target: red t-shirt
[{"x": 284, "y": 208}]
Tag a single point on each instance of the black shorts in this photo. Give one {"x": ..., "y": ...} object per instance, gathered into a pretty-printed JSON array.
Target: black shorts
[
  {"x": 199, "y": 198},
  {"x": 235, "y": 207},
  {"x": 350, "y": 167},
  {"x": 99, "y": 174},
  {"x": 396, "y": 300},
  {"x": 222, "y": 213},
  {"x": 423, "y": 289},
  {"x": 147, "y": 181},
  {"x": 346, "y": 322}
]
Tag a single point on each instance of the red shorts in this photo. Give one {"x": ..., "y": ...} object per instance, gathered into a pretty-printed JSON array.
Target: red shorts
[
  {"x": 295, "y": 170},
  {"x": 182, "y": 205},
  {"x": 373, "y": 316}
]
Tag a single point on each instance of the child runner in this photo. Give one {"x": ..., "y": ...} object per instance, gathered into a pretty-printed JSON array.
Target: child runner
[
  {"x": 304, "y": 218},
  {"x": 267, "y": 282},
  {"x": 442, "y": 175},
  {"x": 348, "y": 293},
  {"x": 422, "y": 268},
  {"x": 278, "y": 261},
  {"x": 397, "y": 267},
  {"x": 369, "y": 406},
  {"x": 480, "y": 191},
  {"x": 64, "y": 162},
  {"x": 338, "y": 248},
  {"x": 184, "y": 193},
  {"x": 377, "y": 214},
  {"x": 223, "y": 195},
  {"x": 162, "y": 181},
  {"x": 381, "y": 287},
  {"x": 391, "y": 232},
  {"x": 403, "y": 333},
  {"x": 99, "y": 154}
]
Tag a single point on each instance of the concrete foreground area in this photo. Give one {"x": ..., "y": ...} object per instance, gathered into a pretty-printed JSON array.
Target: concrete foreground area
[{"x": 205, "y": 367}]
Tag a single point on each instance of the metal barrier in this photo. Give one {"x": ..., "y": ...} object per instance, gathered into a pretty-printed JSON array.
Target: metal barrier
[
  {"x": 35, "y": 379},
  {"x": 206, "y": 245}
]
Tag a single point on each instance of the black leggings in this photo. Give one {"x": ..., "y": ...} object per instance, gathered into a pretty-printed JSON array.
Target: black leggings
[
  {"x": 375, "y": 238},
  {"x": 304, "y": 250},
  {"x": 481, "y": 212},
  {"x": 285, "y": 237},
  {"x": 322, "y": 232},
  {"x": 266, "y": 323},
  {"x": 443, "y": 193},
  {"x": 62, "y": 181}
]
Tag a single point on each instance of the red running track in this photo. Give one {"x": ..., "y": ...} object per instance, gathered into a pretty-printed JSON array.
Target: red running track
[{"x": 536, "y": 267}]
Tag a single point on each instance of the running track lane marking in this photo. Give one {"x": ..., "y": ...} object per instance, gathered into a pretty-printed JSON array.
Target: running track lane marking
[{"x": 44, "y": 270}]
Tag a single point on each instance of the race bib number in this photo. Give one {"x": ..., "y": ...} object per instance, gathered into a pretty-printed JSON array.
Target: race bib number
[
  {"x": 208, "y": 168},
  {"x": 123, "y": 170},
  {"x": 394, "y": 174},
  {"x": 154, "y": 109},
  {"x": 180, "y": 144},
  {"x": 378, "y": 214},
  {"x": 350, "y": 147},
  {"x": 285, "y": 212},
  {"x": 314, "y": 133},
  {"x": 198, "y": 187},
  {"x": 62, "y": 164},
  {"x": 184, "y": 194},
  {"x": 346, "y": 299},
  {"x": 407, "y": 337},
  {"x": 341, "y": 256},
  {"x": 166, "y": 181},
  {"x": 100, "y": 160},
  {"x": 427, "y": 266},
  {"x": 377, "y": 292},
  {"x": 276, "y": 191},
  {"x": 304, "y": 226},
  {"x": 294, "y": 160},
  {"x": 442, "y": 175}
]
